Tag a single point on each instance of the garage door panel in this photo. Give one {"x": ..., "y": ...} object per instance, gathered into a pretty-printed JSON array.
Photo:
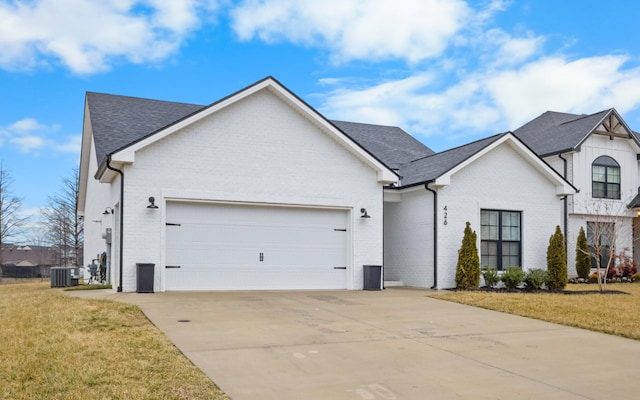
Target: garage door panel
[{"x": 230, "y": 247}]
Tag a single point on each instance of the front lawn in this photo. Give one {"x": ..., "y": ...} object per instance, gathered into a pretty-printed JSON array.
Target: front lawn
[
  {"x": 616, "y": 314},
  {"x": 55, "y": 346}
]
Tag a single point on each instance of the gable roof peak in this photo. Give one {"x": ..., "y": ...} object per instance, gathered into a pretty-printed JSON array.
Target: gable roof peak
[{"x": 555, "y": 133}]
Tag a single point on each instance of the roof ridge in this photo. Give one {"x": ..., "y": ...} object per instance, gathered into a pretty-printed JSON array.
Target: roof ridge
[
  {"x": 143, "y": 98},
  {"x": 461, "y": 146},
  {"x": 365, "y": 123},
  {"x": 583, "y": 116}
]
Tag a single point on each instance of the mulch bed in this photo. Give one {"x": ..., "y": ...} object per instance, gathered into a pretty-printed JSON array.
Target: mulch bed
[{"x": 567, "y": 292}]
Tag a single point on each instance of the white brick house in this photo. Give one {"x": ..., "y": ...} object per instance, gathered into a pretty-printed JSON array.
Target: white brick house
[
  {"x": 509, "y": 195},
  {"x": 260, "y": 191},
  {"x": 599, "y": 154},
  {"x": 251, "y": 193}
]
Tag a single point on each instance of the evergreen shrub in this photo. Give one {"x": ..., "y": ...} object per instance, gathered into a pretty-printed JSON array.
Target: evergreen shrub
[
  {"x": 583, "y": 257},
  {"x": 536, "y": 279},
  {"x": 468, "y": 267},
  {"x": 512, "y": 277},
  {"x": 557, "y": 261}
]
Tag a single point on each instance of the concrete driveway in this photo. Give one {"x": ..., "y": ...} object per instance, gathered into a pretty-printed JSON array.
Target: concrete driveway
[{"x": 393, "y": 344}]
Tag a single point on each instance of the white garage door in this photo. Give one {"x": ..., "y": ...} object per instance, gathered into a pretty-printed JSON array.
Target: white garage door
[{"x": 240, "y": 247}]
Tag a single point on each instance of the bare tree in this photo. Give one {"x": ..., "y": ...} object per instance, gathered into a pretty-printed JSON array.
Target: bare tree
[
  {"x": 64, "y": 229},
  {"x": 607, "y": 223},
  {"x": 12, "y": 223},
  {"x": 602, "y": 238}
]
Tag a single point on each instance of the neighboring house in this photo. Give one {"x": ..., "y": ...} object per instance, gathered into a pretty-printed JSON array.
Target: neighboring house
[
  {"x": 27, "y": 261},
  {"x": 599, "y": 155},
  {"x": 260, "y": 191}
]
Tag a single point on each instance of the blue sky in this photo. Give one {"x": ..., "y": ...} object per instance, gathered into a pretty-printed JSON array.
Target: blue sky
[{"x": 448, "y": 72}]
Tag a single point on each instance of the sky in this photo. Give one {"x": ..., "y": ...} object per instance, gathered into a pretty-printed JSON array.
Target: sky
[{"x": 446, "y": 71}]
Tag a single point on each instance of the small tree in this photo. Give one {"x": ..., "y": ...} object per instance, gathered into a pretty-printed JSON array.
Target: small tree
[
  {"x": 64, "y": 229},
  {"x": 468, "y": 267},
  {"x": 583, "y": 261},
  {"x": 557, "y": 261},
  {"x": 12, "y": 222}
]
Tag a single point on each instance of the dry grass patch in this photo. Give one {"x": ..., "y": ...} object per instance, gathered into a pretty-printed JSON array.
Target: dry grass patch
[
  {"x": 615, "y": 314},
  {"x": 59, "y": 347}
]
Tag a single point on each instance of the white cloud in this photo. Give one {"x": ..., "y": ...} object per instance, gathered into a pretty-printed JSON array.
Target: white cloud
[
  {"x": 356, "y": 29},
  {"x": 504, "y": 49},
  {"x": 28, "y": 143},
  {"x": 25, "y": 125},
  {"x": 28, "y": 136},
  {"x": 490, "y": 100},
  {"x": 88, "y": 36},
  {"x": 581, "y": 86},
  {"x": 72, "y": 145}
]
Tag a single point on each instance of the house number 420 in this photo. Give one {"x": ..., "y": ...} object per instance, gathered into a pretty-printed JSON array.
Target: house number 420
[{"x": 445, "y": 215}]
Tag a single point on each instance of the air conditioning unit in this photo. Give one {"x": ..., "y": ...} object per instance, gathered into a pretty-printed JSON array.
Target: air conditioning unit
[{"x": 60, "y": 277}]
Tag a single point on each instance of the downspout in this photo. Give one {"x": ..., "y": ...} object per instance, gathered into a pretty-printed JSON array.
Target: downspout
[
  {"x": 121, "y": 217},
  {"x": 435, "y": 235},
  {"x": 564, "y": 214}
]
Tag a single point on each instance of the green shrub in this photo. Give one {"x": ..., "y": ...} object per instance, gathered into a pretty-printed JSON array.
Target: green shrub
[
  {"x": 491, "y": 277},
  {"x": 557, "y": 261},
  {"x": 583, "y": 257},
  {"x": 512, "y": 277},
  {"x": 536, "y": 279},
  {"x": 468, "y": 267}
]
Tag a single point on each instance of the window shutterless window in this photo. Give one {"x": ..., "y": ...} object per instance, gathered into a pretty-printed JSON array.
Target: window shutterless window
[
  {"x": 605, "y": 177},
  {"x": 500, "y": 238},
  {"x": 600, "y": 238}
]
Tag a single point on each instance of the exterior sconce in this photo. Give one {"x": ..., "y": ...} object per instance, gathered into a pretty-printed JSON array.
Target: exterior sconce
[
  {"x": 364, "y": 213},
  {"x": 152, "y": 203},
  {"x": 108, "y": 211}
]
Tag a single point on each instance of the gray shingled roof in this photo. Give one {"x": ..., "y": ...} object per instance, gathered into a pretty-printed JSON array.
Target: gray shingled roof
[
  {"x": 431, "y": 167},
  {"x": 389, "y": 144},
  {"x": 554, "y": 132},
  {"x": 119, "y": 121},
  {"x": 635, "y": 203}
]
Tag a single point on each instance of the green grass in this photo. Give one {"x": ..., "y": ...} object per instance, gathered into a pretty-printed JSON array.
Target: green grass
[
  {"x": 55, "y": 346},
  {"x": 616, "y": 314}
]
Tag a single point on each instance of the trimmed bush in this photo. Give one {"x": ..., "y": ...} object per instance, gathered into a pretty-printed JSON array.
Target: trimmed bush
[
  {"x": 593, "y": 278},
  {"x": 491, "y": 277},
  {"x": 635, "y": 277},
  {"x": 557, "y": 261},
  {"x": 583, "y": 257},
  {"x": 512, "y": 277},
  {"x": 468, "y": 267},
  {"x": 536, "y": 279}
]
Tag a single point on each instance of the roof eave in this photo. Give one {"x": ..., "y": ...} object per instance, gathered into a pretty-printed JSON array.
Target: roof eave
[{"x": 384, "y": 174}]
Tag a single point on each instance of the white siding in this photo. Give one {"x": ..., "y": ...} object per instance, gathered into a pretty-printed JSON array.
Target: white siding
[
  {"x": 582, "y": 207},
  {"x": 257, "y": 150},
  {"x": 408, "y": 238},
  {"x": 621, "y": 151}
]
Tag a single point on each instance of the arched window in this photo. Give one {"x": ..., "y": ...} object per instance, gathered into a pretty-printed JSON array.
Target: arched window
[{"x": 605, "y": 176}]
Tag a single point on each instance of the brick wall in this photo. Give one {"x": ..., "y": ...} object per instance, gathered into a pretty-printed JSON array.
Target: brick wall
[{"x": 256, "y": 150}]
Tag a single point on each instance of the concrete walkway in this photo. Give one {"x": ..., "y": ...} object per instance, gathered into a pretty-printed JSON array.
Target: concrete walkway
[{"x": 393, "y": 344}]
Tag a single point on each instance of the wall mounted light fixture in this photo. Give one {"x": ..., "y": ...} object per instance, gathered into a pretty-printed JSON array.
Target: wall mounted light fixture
[
  {"x": 108, "y": 211},
  {"x": 364, "y": 213},
  {"x": 152, "y": 203}
]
